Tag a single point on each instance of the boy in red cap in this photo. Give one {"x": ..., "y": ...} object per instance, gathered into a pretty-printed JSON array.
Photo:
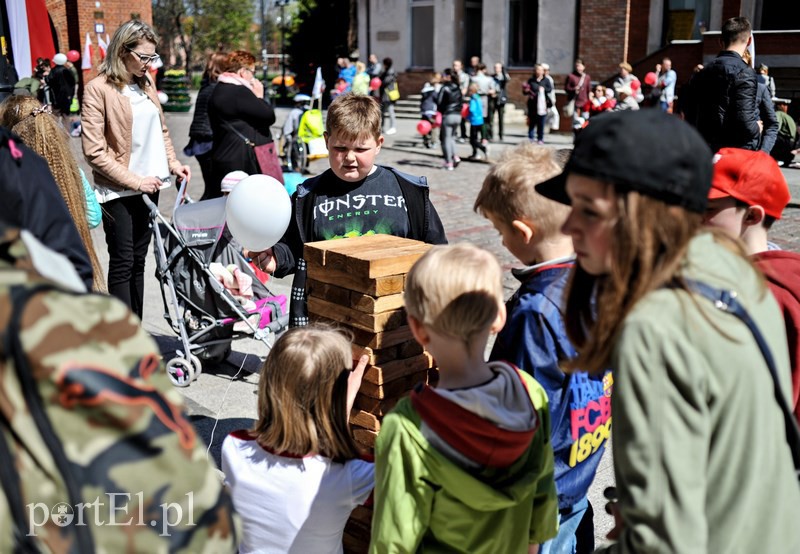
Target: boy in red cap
[{"x": 748, "y": 194}]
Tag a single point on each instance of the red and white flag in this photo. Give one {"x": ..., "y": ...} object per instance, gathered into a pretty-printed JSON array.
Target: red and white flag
[
  {"x": 103, "y": 46},
  {"x": 86, "y": 59},
  {"x": 29, "y": 27}
]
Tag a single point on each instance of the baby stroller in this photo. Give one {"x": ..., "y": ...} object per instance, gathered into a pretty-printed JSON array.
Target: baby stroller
[{"x": 195, "y": 255}]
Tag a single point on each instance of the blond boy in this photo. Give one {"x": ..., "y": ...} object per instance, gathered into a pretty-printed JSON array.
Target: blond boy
[
  {"x": 534, "y": 338},
  {"x": 464, "y": 467},
  {"x": 354, "y": 197}
]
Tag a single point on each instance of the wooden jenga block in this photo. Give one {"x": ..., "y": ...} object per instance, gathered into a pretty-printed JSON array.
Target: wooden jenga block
[
  {"x": 376, "y": 357},
  {"x": 374, "y": 323},
  {"x": 391, "y": 371},
  {"x": 362, "y": 514},
  {"x": 393, "y": 388},
  {"x": 365, "y": 437},
  {"x": 409, "y": 349},
  {"x": 378, "y": 286},
  {"x": 376, "y": 406},
  {"x": 382, "y": 339},
  {"x": 365, "y": 420},
  {"x": 375, "y": 305},
  {"x": 326, "y": 291},
  {"x": 357, "y": 300},
  {"x": 357, "y": 531},
  {"x": 373, "y": 256}
]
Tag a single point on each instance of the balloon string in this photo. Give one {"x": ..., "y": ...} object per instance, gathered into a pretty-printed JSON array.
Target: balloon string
[{"x": 222, "y": 405}]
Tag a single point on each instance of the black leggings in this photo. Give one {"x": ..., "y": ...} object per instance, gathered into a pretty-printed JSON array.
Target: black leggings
[{"x": 126, "y": 222}]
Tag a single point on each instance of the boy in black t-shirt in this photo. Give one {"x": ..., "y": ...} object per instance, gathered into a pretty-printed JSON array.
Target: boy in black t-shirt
[{"x": 354, "y": 197}]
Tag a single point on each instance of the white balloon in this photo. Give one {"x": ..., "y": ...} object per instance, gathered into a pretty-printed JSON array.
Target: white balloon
[
  {"x": 258, "y": 211},
  {"x": 163, "y": 97}
]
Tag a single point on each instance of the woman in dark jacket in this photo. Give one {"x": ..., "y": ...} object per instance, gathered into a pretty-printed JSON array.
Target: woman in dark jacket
[
  {"x": 237, "y": 111},
  {"x": 537, "y": 89},
  {"x": 200, "y": 134},
  {"x": 449, "y": 104},
  {"x": 388, "y": 82}
]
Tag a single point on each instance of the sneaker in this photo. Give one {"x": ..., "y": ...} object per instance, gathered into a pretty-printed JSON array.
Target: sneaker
[
  {"x": 456, "y": 161},
  {"x": 390, "y": 131},
  {"x": 539, "y": 142},
  {"x": 461, "y": 141},
  {"x": 448, "y": 166}
]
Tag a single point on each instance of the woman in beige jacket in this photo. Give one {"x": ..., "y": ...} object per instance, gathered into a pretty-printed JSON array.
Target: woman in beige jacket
[{"x": 127, "y": 144}]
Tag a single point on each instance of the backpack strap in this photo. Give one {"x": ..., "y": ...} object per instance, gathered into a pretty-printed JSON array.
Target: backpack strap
[
  {"x": 20, "y": 295},
  {"x": 726, "y": 301},
  {"x": 9, "y": 480}
]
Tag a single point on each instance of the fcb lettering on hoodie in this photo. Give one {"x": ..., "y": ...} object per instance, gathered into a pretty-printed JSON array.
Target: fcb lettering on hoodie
[{"x": 535, "y": 340}]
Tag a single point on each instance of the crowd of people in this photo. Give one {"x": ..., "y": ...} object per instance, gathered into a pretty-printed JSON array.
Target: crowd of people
[{"x": 649, "y": 292}]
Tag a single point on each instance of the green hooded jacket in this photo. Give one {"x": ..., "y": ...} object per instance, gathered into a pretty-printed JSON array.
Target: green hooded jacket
[{"x": 424, "y": 501}]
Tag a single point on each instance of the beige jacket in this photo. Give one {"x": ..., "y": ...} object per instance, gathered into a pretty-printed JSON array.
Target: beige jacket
[{"x": 106, "y": 123}]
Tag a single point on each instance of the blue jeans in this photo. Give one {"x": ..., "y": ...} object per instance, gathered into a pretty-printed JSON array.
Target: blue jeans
[
  {"x": 536, "y": 123},
  {"x": 568, "y": 520}
]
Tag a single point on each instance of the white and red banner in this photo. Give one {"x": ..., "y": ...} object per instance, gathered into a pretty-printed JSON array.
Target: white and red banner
[
  {"x": 86, "y": 59},
  {"x": 31, "y": 36}
]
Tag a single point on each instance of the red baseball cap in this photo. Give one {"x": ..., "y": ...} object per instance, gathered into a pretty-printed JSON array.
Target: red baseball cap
[{"x": 752, "y": 177}]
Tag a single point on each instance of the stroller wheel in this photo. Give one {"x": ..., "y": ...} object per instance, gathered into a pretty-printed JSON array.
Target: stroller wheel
[
  {"x": 180, "y": 371},
  {"x": 197, "y": 365}
]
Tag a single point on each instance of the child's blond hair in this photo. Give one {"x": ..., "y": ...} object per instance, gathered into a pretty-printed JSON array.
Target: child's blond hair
[
  {"x": 354, "y": 116},
  {"x": 302, "y": 397},
  {"x": 455, "y": 290},
  {"x": 508, "y": 191}
]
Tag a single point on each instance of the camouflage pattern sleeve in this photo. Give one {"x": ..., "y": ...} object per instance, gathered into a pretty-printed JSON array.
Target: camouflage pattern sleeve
[{"x": 145, "y": 483}]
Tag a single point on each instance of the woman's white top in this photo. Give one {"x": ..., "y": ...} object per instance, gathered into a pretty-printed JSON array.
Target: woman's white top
[
  {"x": 290, "y": 504},
  {"x": 148, "y": 152}
]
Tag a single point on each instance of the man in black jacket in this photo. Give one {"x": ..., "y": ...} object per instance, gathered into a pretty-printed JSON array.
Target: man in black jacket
[{"x": 722, "y": 96}]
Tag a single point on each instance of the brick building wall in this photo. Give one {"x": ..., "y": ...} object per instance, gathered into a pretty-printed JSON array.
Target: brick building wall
[
  {"x": 58, "y": 14},
  {"x": 639, "y": 30},
  {"x": 74, "y": 18},
  {"x": 601, "y": 41}
]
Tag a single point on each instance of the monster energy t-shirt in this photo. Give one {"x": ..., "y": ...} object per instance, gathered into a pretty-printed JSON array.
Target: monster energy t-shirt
[{"x": 374, "y": 206}]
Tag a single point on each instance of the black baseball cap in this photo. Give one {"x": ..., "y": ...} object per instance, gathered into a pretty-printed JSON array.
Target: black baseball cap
[{"x": 648, "y": 151}]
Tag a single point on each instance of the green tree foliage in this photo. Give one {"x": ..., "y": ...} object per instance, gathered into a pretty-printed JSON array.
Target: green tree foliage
[
  {"x": 224, "y": 24},
  {"x": 204, "y": 26}
]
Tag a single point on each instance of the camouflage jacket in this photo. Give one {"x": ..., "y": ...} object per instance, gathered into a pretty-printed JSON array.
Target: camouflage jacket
[{"x": 96, "y": 454}]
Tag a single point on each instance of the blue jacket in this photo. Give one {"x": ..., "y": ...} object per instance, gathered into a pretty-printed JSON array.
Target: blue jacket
[
  {"x": 535, "y": 340},
  {"x": 475, "y": 110}
]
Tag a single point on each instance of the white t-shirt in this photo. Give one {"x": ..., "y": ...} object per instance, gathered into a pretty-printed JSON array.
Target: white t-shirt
[
  {"x": 148, "y": 152},
  {"x": 292, "y": 504}
]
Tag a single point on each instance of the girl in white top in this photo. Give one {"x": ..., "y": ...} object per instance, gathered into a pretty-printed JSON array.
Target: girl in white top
[{"x": 297, "y": 475}]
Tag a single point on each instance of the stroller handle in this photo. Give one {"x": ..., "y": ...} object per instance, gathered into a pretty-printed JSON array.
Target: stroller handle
[{"x": 150, "y": 204}]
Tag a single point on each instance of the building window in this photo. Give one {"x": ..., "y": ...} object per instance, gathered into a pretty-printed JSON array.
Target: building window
[
  {"x": 422, "y": 30},
  {"x": 523, "y": 25},
  {"x": 686, "y": 19}
]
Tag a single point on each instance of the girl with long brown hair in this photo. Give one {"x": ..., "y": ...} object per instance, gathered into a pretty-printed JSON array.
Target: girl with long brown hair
[
  {"x": 701, "y": 441},
  {"x": 42, "y": 132},
  {"x": 295, "y": 477}
]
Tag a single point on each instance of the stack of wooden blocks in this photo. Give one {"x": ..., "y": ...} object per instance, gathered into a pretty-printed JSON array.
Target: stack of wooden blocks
[{"x": 357, "y": 283}]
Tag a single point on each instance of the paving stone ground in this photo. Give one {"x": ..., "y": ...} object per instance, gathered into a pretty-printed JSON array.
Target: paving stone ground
[{"x": 229, "y": 391}]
